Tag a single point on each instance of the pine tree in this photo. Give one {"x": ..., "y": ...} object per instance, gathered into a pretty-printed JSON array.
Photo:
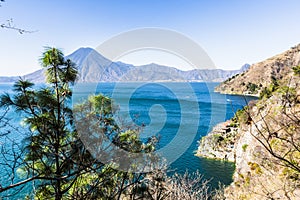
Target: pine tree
[{"x": 55, "y": 159}]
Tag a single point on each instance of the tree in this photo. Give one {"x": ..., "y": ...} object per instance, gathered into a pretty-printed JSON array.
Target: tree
[
  {"x": 52, "y": 156},
  {"x": 49, "y": 155},
  {"x": 53, "y": 152}
]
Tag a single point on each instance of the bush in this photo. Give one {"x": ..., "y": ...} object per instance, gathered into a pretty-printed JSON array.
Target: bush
[
  {"x": 233, "y": 124},
  {"x": 296, "y": 70},
  {"x": 241, "y": 116},
  {"x": 252, "y": 87},
  {"x": 255, "y": 167},
  {"x": 265, "y": 93},
  {"x": 218, "y": 138},
  {"x": 268, "y": 91},
  {"x": 244, "y": 147}
]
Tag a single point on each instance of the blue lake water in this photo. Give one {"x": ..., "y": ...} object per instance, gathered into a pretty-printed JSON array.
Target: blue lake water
[
  {"x": 179, "y": 113},
  {"x": 165, "y": 109}
]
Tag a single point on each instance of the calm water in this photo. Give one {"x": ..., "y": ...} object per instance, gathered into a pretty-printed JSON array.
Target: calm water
[
  {"x": 166, "y": 108},
  {"x": 179, "y": 113}
]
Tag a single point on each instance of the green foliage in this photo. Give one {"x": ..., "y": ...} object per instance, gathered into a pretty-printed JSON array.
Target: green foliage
[
  {"x": 244, "y": 147},
  {"x": 102, "y": 105},
  {"x": 252, "y": 87},
  {"x": 289, "y": 94},
  {"x": 241, "y": 116},
  {"x": 296, "y": 70},
  {"x": 247, "y": 180},
  {"x": 58, "y": 161},
  {"x": 230, "y": 78},
  {"x": 54, "y": 154},
  {"x": 291, "y": 173},
  {"x": 59, "y": 70},
  {"x": 267, "y": 92},
  {"x": 255, "y": 167},
  {"x": 233, "y": 124},
  {"x": 217, "y": 138}
]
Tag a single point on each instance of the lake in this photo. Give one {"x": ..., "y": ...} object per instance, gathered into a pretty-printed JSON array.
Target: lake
[
  {"x": 165, "y": 109},
  {"x": 179, "y": 113}
]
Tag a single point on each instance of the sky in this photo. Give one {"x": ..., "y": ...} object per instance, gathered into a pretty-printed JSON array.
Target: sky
[{"x": 232, "y": 32}]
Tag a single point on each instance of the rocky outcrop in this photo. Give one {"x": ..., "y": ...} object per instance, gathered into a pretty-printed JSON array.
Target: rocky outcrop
[{"x": 219, "y": 143}]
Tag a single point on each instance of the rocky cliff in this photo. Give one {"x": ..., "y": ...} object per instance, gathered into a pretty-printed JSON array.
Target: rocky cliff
[
  {"x": 263, "y": 139},
  {"x": 219, "y": 143}
]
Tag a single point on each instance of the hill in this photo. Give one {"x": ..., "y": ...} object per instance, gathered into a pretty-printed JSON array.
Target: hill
[
  {"x": 263, "y": 139},
  {"x": 260, "y": 75}
]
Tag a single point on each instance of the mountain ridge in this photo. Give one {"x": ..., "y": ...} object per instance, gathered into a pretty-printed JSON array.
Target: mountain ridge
[{"x": 94, "y": 67}]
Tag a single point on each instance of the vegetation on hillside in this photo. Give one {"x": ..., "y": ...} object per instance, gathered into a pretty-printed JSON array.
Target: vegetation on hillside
[
  {"x": 266, "y": 146},
  {"x": 273, "y": 160}
]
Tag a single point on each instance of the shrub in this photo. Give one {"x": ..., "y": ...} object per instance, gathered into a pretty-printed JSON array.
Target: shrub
[
  {"x": 233, "y": 124},
  {"x": 255, "y": 167},
  {"x": 296, "y": 70},
  {"x": 265, "y": 93},
  {"x": 252, "y": 87},
  {"x": 241, "y": 116},
  {"x": 218, "y": 138},
  {"x": 268, "y": 91},
  {"x": 244, "y": 147}
]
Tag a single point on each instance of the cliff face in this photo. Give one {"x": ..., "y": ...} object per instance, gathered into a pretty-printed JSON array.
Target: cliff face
[
  {"x": 268, "y": 125},
  {"x": 264, "y": 138},
  {"x": 265, "y": 145},
  {"x": 262, "y": 74}
]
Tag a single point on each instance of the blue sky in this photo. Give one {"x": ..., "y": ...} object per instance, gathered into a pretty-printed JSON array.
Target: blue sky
[{"x": 232, "y": 32}]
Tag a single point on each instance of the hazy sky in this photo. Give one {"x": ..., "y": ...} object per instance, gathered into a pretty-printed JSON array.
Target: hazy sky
[{"x": 232, "y": 32}]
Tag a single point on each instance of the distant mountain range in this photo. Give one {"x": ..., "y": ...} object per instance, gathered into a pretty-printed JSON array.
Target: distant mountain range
[{"x": 93, "y": 67}]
